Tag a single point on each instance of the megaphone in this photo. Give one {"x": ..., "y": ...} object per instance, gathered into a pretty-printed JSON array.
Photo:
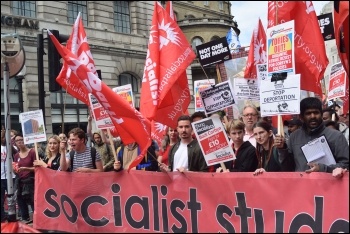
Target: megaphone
[{"x": 12, "y": 53}]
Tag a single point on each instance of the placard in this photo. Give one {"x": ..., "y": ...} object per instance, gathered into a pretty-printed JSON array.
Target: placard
[
  {"x": 33, "y": 127},
  {"x": 213, "y": 140},
  {"x": 326, "y": 26},
  {"x": 280, "y": 97},
  {"x": 213, "y": 52},
  {"x": 125, "y": 91},
  {"x": 199, "y": 85},
  {"x": 102, "y": 119},
  {"x": 218, "y": 97},
  {"x": 280, "y": 48},
  {"x": 246, "y": 89},
  {"x": 337, "y": 87}
]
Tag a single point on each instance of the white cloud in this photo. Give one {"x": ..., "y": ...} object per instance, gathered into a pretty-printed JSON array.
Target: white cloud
[{"x": 247, "y": 14}]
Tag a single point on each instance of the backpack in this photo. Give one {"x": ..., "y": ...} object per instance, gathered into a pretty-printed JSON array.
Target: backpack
[{"x": 93, "y": 158}]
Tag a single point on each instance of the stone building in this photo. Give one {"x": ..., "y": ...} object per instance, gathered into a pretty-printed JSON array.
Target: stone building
[{"x": 117, "y": 33}]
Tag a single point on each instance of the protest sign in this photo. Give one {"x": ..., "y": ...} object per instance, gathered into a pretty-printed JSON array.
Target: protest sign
[
  {"x": 326, "y": 25},
  {"x": 261, "y": 72},
  {"x": 337, "y": 80},
  {"x": 198, "y": 86},
  {"x": 125, "y": 91},
  {"x": 101, "y": 116},
  {"x": 246, "y": 89},
  {"x": 280, "y": 48},
  {"x": 280, "y": 97},
  {"x": 217, "y": 98},
  {"x": 213, "y": 140},
  {"x": 213, "y": 52},
  {"x": 33, "y": 127}
]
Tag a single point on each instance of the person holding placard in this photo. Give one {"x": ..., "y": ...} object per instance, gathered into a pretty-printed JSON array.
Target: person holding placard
[
  {"x": 53, "y": 152},
  {"x": 250, "y": 116},
  {"x": 186, "y": 155},
  {"x": 266, "y": 151},
  {"x": 246, "y": 160},
  {"x": 336, "y": 147},
  {"x": 23, "y": 166}
]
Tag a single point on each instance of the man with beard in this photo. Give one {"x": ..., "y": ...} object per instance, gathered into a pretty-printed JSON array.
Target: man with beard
[
  {"x": 313, "y": 127},
  {"x": 185, "y": 155}
]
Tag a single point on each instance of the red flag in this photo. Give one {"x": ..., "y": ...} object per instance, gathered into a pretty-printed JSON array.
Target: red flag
[
  {"x": 341, "y": 31},
  {"x": 310, "y": 55},
  {"x": 131, "y": 125},
  {"x": 77, "y": 44},
  {"x": 169, "y": 9},
  {"x": 257, "y": 51},
  {"x": 158, "y": 132},
  {"x": 165, "y": 94}
]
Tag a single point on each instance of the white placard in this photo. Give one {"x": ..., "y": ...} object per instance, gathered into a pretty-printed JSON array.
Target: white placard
[
  {"x": 102, "y": 119},
  {"x": 246, "y": 89},
  {"x": 280, "y": 97},
  {"x": 337, "y": 82},
  {"x": 213, "y": 140},
  {"x": 199, "y": 85},
  {"x": 125, "y": 91},
  {"x": 217, "y": 98},
  {"x": 33, "y": 127}
]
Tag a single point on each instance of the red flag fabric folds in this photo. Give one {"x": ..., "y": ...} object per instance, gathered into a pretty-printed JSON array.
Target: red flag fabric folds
[
  {"x": 131, "y": 125},
  {"x": 257, "y": 51},
  {"x": 310, "y": 56},
  {"x": 341, "y": 32},
  {"x": 78, "y": 45},
  {"x": 165, "y": 94}
]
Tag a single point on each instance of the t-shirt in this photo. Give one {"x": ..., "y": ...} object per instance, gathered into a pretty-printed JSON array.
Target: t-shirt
[
  {"x": 181, "y": 157},
  {"x": 83, "y": 159},
  {"x": 4, "y": 167},
  {"x": 26, "y": 162}
]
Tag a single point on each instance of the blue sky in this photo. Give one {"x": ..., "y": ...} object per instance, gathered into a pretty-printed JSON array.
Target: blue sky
[{"x": 247, "y": 14}]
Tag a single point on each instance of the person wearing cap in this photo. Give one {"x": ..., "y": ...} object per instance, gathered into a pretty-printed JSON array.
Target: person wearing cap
[{"x": 293, "y": 125}]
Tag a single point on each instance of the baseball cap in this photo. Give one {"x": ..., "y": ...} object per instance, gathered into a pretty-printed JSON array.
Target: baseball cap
[{"x": 294, "y": 121}]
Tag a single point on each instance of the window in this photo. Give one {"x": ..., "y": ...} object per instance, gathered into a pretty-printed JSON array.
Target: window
[
  {"x": 195, "y": 42},
  {"x": 126, "y": 78},
  {"x": 206, "y": 3},
  {"x": 74, "y": 7},
  {"x": 221, "y": 5},
  {"x": 121, "y": 16},
  {"x": 24, "y": 8},
  {"x": 214, "y": 38}
]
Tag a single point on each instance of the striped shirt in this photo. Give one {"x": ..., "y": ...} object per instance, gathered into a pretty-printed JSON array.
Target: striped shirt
[{"x": 84, "y": 159}]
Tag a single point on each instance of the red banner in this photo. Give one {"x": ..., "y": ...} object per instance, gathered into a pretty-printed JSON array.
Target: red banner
[{"x": 142, "y": 201}]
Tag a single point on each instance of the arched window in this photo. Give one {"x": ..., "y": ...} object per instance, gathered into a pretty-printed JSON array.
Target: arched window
[
  {"x": 190, "y": 16},
  {"x": 214, "y": 38},
  {"x": 196, "y": 41}
]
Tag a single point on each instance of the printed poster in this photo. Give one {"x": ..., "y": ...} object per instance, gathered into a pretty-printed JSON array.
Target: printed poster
[
  {"x": 337, "y": 87},
  {"x": 261, "y": 72},
  {"x": 213, "y": 140},
  {"x": 217, "y": 98},
  {"x": 246, "y": 89},
  {"x": 199, "y": 85},
  {"x": 280, "y": 97},
  {"x": 280, "y": 48},
  {"x": 101, "y": 116},
  {"x": 125, "y": 91},
  {"x": 33, "y": 127}
]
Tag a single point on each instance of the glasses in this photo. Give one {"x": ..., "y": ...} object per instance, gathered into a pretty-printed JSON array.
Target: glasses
[
  {"x": 250, "y": 115},
  {"x": 18, "y": 140}
]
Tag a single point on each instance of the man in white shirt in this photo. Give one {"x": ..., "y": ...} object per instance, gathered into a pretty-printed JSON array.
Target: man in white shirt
[{"x": 185, "y": 155}]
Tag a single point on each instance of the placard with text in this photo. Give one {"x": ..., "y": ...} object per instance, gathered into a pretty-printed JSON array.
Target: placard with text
[
  {"x": 213, "y": 140},
  {"x": 213, "y": 52},
  {"x": 337, "y": 87},
  {"x": 125, "y": 91},
  {"x": 199, "y": 85},
  {"x": 102, "y": 119},
  {"x": 33, "y": 127}
]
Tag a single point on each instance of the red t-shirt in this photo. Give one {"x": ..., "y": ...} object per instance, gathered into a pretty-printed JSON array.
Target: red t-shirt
[{"x": 26, "y": 162}]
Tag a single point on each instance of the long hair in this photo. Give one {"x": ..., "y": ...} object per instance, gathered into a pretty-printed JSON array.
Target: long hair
[
  {"x": 47, "y": 150},
  {"x": 259, "y": 148}
]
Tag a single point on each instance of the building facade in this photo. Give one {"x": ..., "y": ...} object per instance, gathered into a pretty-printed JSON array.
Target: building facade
[{"x": 117, "y": 33}]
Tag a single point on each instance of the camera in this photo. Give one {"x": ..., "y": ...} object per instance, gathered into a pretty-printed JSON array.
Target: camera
[{"x": 10, "y": 45}]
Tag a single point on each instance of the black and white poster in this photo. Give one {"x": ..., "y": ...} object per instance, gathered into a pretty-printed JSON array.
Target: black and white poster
[
  {"x": 218, "y": 97},
  {"x": 326, "y": 25},
  {"x": 213, "y": 52}
]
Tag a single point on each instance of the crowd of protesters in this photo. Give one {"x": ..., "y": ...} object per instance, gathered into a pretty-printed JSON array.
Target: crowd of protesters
[{"x": 257, "y": 147}]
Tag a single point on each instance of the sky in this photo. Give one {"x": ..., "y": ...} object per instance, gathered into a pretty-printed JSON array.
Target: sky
[{"x": 247, "y": 14}]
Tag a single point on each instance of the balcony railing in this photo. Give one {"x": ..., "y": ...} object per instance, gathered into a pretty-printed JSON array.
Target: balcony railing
[{"x": 195, "y": 21}]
